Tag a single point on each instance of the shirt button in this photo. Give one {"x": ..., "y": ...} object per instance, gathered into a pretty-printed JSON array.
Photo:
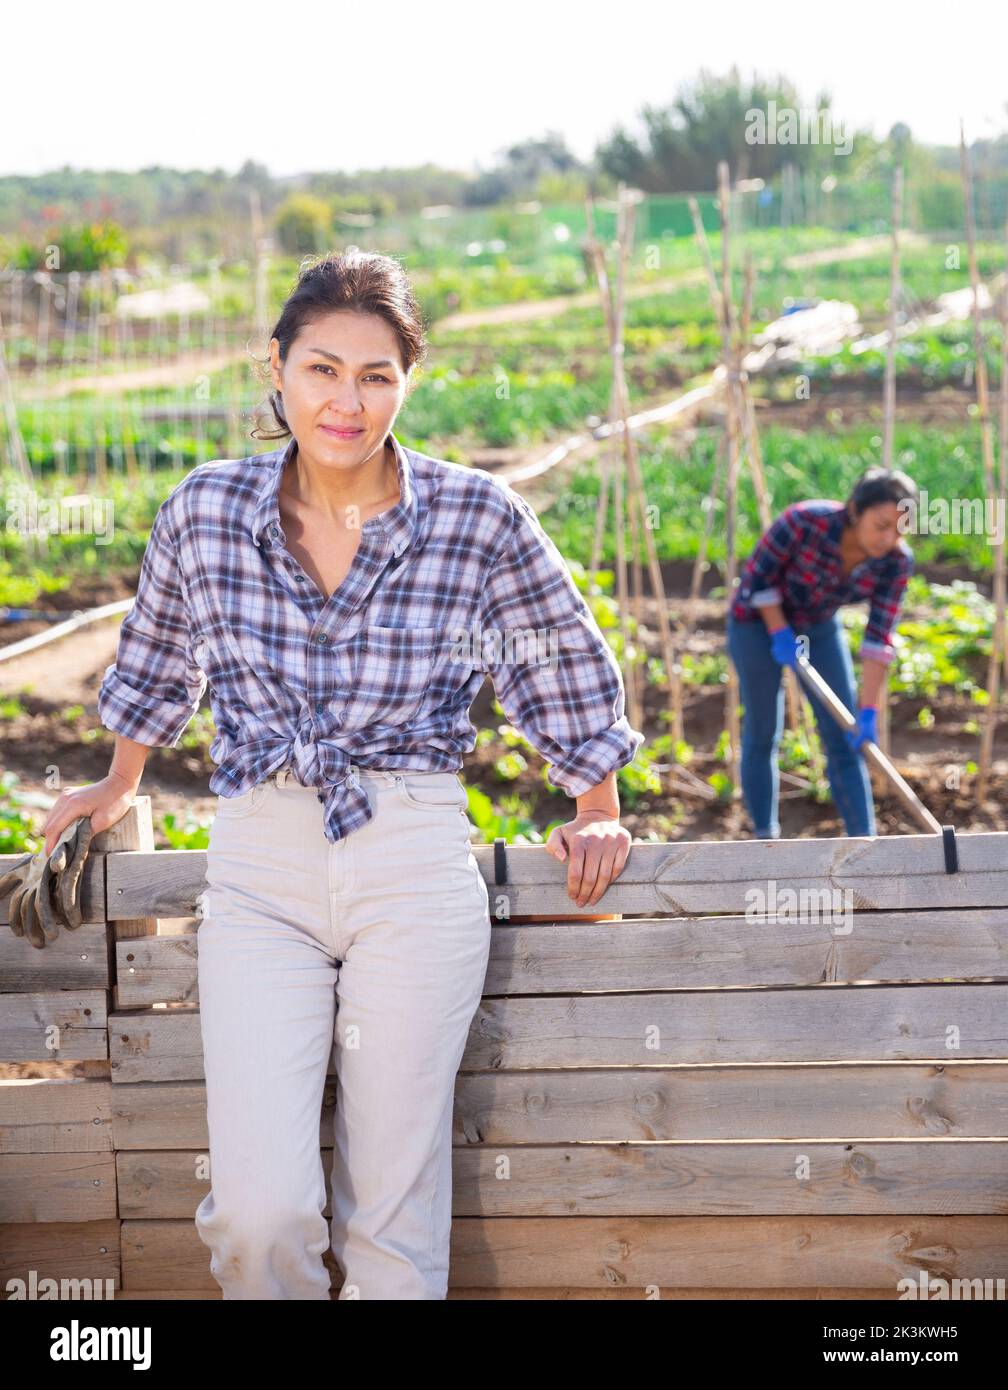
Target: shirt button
[
  {"x": 320, "y": 706},
  {"x": 321, "y": 639}
]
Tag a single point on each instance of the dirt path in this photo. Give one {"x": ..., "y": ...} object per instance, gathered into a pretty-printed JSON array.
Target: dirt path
[
  {"x": 588, "y": 299},
  {"x": 67, "y": 671},
  {"x": 178, "y": 372}
]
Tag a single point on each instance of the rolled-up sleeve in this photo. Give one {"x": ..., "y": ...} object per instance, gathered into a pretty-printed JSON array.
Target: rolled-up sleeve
[
  {"x": 554, "y": 674},
  {"x": 883, "y": 612},
  {"x": 154, "y": 687}
]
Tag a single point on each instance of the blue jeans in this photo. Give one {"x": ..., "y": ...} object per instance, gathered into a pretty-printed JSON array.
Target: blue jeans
[{"x": 762, "y": 695}]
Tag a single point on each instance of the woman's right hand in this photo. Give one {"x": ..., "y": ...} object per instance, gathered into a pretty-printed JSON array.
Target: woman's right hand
[
  {"x": 784, "y": 646},
  {"x": 106, "y": 802}
]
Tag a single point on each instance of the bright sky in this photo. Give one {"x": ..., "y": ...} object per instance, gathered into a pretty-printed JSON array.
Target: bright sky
[{"x": 298, "y": 87}]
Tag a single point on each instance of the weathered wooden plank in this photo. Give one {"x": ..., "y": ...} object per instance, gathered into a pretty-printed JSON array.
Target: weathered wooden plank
[
  {"x": 75, "y": 960},
  {"x": 58, "y": 1024},
  {"x": 172, "y": 1115},
  {"x": 936, "y": 1176},
  {"x": 60, "y": 1250},
  {"x": 787, "y": 1178},
  {"x": 657, "y": 1252},
  {"x": 156, "y": 970},
  {"x": 155, "y": 1045},
  {"x": 823, "y": 1024},
  {"x": 711, "y": 1252},
  {"x": 668, "y": 953},
  {"x": 850, "y": 1101},
  {"x": 170, "y": 1255},
  {"x": 57, "y": 1187},
  {"x": 55, "y": 1115},
  {"x": 887, "y": 872}
]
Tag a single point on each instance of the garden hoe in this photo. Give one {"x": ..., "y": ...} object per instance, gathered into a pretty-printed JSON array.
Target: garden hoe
[{"x": 874, "y": 755}]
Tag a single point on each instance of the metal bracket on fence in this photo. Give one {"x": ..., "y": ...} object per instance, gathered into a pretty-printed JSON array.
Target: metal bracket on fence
[{"x": 951, "y": 849}]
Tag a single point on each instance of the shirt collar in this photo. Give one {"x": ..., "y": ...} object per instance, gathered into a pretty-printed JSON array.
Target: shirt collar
[{"x": 398, "y": 522}]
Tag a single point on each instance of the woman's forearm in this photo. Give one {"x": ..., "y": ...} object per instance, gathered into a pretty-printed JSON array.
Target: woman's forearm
[
  {"x": 603, "y": 798},
  {"x": 773, "y": 615},
  {"x": 873, "y": 674},
  {"x": 128, "y": 760}
]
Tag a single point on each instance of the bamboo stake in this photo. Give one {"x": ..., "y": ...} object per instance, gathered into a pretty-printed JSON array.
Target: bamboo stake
[
  {"x": 982, "y": 386},
  {"x": 654, "y": 568},
  {"x": 889, "y": 421},
  {"x": 606, "y": 454},
  {"x": 620, "y": 479},
  {"x": 998, "y": 644},
  {"x": 615, "y": 465},
  {"x": 796, "y": 713},
  {"x": 636, "y": 516},
  {"x": 732, "y": 722},
  {"x": 889, "y": 387},
  {"x": 983, "y": 403}
]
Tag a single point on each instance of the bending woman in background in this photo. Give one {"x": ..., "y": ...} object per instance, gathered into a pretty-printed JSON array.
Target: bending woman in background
[{"x": 816, "y": 556}]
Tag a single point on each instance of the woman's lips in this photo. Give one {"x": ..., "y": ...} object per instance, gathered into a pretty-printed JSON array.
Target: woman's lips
[{"x": 341, "y": 434}]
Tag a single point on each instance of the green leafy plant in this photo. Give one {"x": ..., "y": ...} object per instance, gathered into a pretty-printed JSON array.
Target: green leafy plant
[
  {"x": 17, "y": 830},
  {"x": 189, "y": 833}
]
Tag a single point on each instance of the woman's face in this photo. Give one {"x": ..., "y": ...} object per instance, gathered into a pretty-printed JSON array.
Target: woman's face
[
  {"x": 342, "y": 386},
  {"x": 877, "y": 528}
]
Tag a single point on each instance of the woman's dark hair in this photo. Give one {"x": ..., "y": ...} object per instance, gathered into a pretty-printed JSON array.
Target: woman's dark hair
[
  {"x": 353, "y": 279},
  {"x": 877, "y": 485}
]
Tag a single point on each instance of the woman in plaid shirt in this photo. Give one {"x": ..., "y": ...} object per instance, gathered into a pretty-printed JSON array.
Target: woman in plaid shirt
[
  {"x": 344, "y": 599},
  {"x": 816, "y": 556}
]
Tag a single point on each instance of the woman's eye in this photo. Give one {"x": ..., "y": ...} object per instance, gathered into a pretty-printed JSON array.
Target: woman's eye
[{"x": 324, "y": 367}]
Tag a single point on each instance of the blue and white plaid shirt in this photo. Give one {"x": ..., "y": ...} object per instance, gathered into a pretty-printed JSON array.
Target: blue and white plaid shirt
[{"x": 456, "y": 581}]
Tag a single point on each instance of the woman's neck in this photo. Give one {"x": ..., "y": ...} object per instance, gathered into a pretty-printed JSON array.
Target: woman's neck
[{"x": 850, "y": 548}]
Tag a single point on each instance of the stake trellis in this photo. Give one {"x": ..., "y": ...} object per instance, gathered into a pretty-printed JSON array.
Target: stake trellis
[{"x": 628, "y": 457}]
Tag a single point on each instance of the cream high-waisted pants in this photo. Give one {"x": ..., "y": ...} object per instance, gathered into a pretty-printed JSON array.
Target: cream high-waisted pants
[{"x": 373, "y": 949}]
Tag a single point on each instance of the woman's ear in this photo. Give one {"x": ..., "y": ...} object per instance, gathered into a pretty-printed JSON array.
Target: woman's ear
[{"x": 274, "y": 364}]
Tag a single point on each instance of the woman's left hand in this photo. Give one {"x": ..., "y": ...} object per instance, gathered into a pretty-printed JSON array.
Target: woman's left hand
[{"x": 596, "y": 848}]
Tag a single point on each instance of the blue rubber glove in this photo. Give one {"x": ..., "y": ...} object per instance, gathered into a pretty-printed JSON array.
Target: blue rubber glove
[
  {"x": 867, "y": 728},
  {"x": 784, "y": 646}
]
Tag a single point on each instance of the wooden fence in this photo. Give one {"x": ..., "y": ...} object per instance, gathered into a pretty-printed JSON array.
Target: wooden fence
[{"x": 695, "y": 1100}]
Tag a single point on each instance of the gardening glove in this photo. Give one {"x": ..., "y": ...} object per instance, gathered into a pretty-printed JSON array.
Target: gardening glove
[
  {"x": 46, "y": 889},
  {"x": 784, "y": 646},
  {"x": 31, "y": 911},
  {"x": 67, "y": 860},
  {"x": 866, "y": 730}
]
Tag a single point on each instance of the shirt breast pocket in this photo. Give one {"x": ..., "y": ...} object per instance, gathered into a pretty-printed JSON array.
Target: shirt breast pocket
[{"x": 399, "y": 673}]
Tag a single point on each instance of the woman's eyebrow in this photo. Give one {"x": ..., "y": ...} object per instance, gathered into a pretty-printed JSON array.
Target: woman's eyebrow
[{"x": 333, "y": 358}]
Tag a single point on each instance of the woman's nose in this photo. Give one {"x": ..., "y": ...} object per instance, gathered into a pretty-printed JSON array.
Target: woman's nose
[{"x": 344, "y": 398}]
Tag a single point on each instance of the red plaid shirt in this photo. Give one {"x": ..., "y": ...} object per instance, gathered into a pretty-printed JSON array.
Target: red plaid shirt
[{"x": 798, "y": 565}]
